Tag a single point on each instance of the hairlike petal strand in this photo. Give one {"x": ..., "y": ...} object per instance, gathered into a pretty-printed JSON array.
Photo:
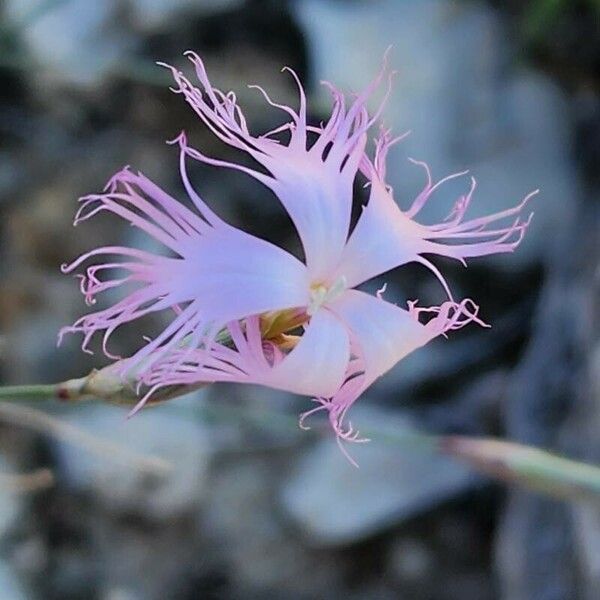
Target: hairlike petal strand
[
  {"x": 382, "y": 334},
  {"x": 314, "y": 184},
  {"x": 386, "y": 237},
  {"x": 209, "y": 268},
  {"x": 315, "y": 366}
]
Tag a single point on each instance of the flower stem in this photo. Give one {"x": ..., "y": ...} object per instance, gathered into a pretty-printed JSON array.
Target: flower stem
[
  {"x": 528, "y": 466},
  {"x": 30, "y": 392}
]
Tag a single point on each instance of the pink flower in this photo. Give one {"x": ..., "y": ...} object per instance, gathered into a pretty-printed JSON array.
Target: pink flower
[{"x": 238, "y": 299}]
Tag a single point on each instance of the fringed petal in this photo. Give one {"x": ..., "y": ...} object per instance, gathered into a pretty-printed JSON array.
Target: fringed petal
[
  {"x": 217, "y": 274},
  {"x": 381, "y": 335},
  {"x": 386, "y": 237},
  {"x": 314, "y": 180},
  {"x": 242, "y": 360},
  {"x": 318, "y": 363},
  {"x": 316, "y": 366}
]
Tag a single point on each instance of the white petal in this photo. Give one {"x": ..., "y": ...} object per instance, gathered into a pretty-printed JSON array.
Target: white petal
[
  {"x": 318, "y": 199},
  {"x": 383, "y": 239},
  {"x": 317, "y": 365},
  {"x": 312, "y": 180},
  {"x": 220, "y": 273},
  {"x": 232, "y": 274},
  {"x": 384, "y": 332}
]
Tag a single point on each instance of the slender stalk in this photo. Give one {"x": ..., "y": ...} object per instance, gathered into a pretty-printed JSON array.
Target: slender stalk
[
  {"x": 531, "y": 467},
  {"x": 29, "y": 392},
  {"x": 528, "y": 466}
]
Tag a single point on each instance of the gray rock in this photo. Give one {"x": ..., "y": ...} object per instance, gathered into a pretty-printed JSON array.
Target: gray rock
[
  {"x": 535, "y": 550},
  {"x": 33, "y": 350},
  {"x": 170, "y": 432},
  {"x": 167, "y": 555},
  {"x": 586, "y": 517},
  {"x": 249, "y": 418},
  {"x": 587, "y": 526},
  {"x": 79, "y": 42},
  {"x": 152, "y": 14},
  {"x": 10, "y": 585},
  {"x": 464, "y": 107},
  {"x": 75, "y": 41},
  {"x": 262, "y": 554},
  {"x": 549, "y": 404},
  {"x": 12, "y": 175},
  {"x": 440, "y": 358},
  {"x": 333, "y": 503},
  {"x": 9, "y": 502},
  {"x": 410, "y": 560}
]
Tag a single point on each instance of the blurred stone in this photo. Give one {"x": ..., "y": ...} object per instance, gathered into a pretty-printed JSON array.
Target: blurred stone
[
  {"x": 535, "y": 552},
  {"x": 170, "y": 432},
  {"x": 34, "y": 355},
  {"x": 466, "y": 109},
  {"x": 75, "y": 41},
  {"x": 474, "y": 584},
  {"x": 29, "y": 556},
  {"x": 148, "y": 563},
  {"x": 41, "y": 307},
  {"x": 548, "y": 405},
  {"x": 474, "y": 409},
  {"x": 585, "y": 429},
  {"x": 438, "y": 359},
  {"x": 153, "y": 14},
  {"x": 11, "y": 515},
  {"x": 119, "y": 593},
  {"x": 587, "y": 131},
  {"x": 587, "y": 526},
  {"x": 544, "y": 393},
  {"x": 12, "y": 175},
  {"x": 262, "y": 554},
  {"x": 252, "y": 418},
  {"x": 74, "y": 570},
  {"x": 10, "y": 586},
  {"x": 10, "y": 504},
  {"x": 79, "y": 42},
  {"x": 333, "y": 503},
  {"x": 410, "y": 560}
]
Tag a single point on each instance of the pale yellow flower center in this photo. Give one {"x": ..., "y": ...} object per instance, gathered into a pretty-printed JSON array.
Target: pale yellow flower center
[{"x": 321, "y": 294}]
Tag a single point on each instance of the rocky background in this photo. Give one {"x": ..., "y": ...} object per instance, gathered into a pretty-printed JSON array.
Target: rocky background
[{"x": 254, "y": 508}]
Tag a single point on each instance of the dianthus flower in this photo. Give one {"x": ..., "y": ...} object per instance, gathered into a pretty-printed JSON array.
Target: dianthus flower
[{"x": 246, "y": 310}]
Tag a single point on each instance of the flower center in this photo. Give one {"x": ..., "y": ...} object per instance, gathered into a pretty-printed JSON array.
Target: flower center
[
  {"x": 320, "y": 294},
  {"x": 275, "y": 323}
]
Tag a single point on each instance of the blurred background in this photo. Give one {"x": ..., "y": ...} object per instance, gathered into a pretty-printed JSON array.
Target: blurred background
[{"x": 254, "y": 508}]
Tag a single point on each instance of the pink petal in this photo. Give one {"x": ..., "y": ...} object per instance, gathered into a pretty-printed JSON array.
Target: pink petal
[
  {"x": 312, "y": 179},
  {"x": 382, "y": 239},
  {"x": 382, "y": 334},
  {"x": 317, "y": 365},
  {"x": 386, "y": 237},
  {"x": 218, "y": 274}
]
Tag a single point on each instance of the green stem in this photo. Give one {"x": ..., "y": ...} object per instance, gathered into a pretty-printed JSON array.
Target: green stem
[{"x": 29, "y": 392}]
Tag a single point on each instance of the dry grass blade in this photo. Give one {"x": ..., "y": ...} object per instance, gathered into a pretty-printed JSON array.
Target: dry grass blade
[
  {"x": 531, "y": 467},
  {"x": 42, "y": 422}
]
